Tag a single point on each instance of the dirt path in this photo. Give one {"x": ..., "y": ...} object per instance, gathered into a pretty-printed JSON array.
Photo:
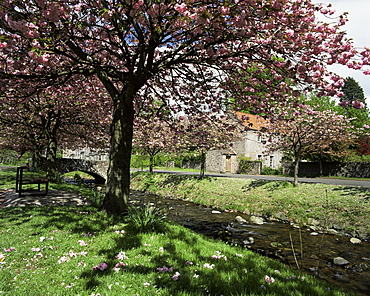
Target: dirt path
[{"x": 9, "y": 198}]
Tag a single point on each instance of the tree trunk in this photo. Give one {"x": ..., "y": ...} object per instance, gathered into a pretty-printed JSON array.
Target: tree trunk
[
  {"x": 202, "y": 165},
  {"x": 118, "y": 183},
  {"x": 321, "y": 170},
  {"x": 151, "y": 163},
  {"x": 296, "y": 169},
  {"x": 36, "y": 162},
  {"x": 51, "y": 156}
]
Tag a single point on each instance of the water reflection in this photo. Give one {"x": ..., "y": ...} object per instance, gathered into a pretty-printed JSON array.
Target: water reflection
[{"x": 298, "y": 248}]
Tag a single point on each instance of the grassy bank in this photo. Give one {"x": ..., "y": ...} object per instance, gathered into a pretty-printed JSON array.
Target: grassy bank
[
  {"x": 344, "y": 208},
  {"x": 78, "y": 250}
]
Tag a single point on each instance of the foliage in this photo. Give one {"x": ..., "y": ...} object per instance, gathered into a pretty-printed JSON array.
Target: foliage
[
  {"x": 244, "y": 165},
  {"x": 353, "y": 94},
  {"x": 139, "y": 161},
  {"x": 153, "y": 135},
  {"x": 323, "y": 103},
  {"x": 363, "y": 145},
  {"x": 302, "y": 132},
  {"x": 78, "y": 180},
  {"x": 270, "y": 171},
  {"x": 354, "y": 157},
  {"x": 55, "y": 117},
  {"x": 8, "y": 156},
  {"x": 146, "y": 218}
]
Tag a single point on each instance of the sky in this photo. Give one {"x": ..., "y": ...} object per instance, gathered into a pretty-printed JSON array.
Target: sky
[{"x": 357, "y": 28}]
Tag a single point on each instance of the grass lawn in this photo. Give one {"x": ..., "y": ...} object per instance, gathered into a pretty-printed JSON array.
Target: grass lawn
[{"x": 82, "y": 251}]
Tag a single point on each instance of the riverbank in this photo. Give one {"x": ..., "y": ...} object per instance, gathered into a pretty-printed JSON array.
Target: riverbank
[{"x": 344, "y": 210}]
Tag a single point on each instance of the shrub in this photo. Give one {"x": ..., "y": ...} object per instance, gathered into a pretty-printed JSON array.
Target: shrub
[
  {"x": 146, "y": 218},
  {"x": 96, "y": 199},
  {"x": 78, "y": 179},
  {"x": 244, "y": 164},
  {"x": 271, "y": 171}
]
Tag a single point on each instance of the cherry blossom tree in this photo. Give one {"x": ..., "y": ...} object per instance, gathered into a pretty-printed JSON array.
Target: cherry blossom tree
[
  {"x": 199, "y": 134},
  {"x": 302, "y": 131},
  {"x": 153, "y": 135},
  {"x": 177, "y": 49},
  {"x": 53, "y": 117}
]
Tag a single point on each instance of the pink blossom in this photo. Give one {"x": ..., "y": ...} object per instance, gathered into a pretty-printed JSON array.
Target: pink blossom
[
  {"x": 165, "y": 269},
  {"x": 9, "y": 250},
  {"x": 209, "y": 266},
  {"x": 358, "y": 105},
  {"x": 269, "y": 279},
  {"x": 63, "y": 259},
  {"x": 120, "y": 264},
  {"x": 82, "y": 243},
  {"x": 344, "y": 103},
  {"x": 224, "y": 10},
  {"x": 101, "y": 266},
  {"x": 176, "y": 276},
  {"x": 121, "y": 256},
  {"x": 181, "y": 7}
]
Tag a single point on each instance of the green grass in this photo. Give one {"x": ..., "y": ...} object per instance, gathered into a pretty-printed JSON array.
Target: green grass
[
  {"x": 173, "y": 169},
  {"x": 56, "y": 250},
  {"x": 344, "y": 208}
]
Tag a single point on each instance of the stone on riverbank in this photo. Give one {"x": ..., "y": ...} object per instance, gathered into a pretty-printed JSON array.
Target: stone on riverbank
[
  {"x": 340, "y": 261},
  {"x": 256, "y": 220}
]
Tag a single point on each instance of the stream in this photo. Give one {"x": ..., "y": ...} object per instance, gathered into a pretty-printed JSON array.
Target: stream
[{"x": 314, "y": 252}]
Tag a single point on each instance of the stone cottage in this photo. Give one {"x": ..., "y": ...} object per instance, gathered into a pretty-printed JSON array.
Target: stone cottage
[{"x": 251, "y": 145}]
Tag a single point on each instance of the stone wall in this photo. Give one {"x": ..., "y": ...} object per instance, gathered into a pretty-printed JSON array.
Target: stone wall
[
  {"x": 188, "y": 164},
  {"x": 255, "y": 168},
  {"x": 221, "y": 161},
  {"x": 337, "y": 169}
]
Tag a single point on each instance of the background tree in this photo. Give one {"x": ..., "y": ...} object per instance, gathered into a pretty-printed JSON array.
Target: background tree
[
  {"x": 323, "y": 103},
  {"x": 303, "y": 131},
  {"x": 199, "y": 134},
  {"x": 353, "y": 96},
  {"x": 152, "y": 135},
  {"x": 51, "y": 118},
  {"x": 171, "y": 47}
]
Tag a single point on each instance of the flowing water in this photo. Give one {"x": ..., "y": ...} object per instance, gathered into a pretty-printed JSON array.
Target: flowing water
[{"x": 312, "y": 252}]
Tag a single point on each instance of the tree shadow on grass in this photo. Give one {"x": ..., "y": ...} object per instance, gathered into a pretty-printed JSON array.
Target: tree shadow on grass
[
  {"x": 267, "y": 185},
  {"x": 200, "y": 274},
  {"x": 350, "y": 191},
  {"x": 75, "y": 219}
]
